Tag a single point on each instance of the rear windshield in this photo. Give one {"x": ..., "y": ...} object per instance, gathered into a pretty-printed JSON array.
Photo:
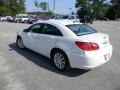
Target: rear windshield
[{"x": 81, "y": 29}]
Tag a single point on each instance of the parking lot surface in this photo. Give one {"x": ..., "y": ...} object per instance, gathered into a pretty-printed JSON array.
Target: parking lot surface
[{"x": 27, "y": 70}]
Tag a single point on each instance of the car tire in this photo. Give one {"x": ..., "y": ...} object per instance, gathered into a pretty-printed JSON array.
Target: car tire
[
  {"x": 25, "y": 21},
  {"x": 60, "y": 60},
  {"x": 20, "y": 43}
]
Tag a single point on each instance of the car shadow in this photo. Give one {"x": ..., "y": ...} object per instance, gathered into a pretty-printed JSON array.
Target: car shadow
[{"x": 44, "y": 62}]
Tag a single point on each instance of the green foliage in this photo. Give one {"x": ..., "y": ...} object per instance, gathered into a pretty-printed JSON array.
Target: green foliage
[
  {"x": 114, "y": 10},
  {"x": 36, "y": 3},
  {"x": 111, "y": 13},
  {"x": 94, "y": 8},
  {"x": 44, "y": 6},
  {"x": 11, "y": 7},
  {"x": 99, "y": 8},
  {"x": 1, "y": 2}
]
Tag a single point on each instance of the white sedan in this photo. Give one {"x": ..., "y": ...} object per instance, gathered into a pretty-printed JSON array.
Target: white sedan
[{"x": 67, "y": 44}]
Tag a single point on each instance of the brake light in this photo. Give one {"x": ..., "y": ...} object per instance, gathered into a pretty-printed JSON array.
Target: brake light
[{"x": 87, "y": 46}]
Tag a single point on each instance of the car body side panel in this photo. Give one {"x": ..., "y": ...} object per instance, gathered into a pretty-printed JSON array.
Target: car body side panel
[
  {"x": 45, "y": 43},
  {"x": 78, "y": 58}
]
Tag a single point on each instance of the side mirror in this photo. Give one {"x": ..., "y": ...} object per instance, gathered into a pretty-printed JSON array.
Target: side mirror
[{"x": 26, "y": 30}]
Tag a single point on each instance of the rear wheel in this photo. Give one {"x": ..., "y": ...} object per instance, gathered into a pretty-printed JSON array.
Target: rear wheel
[
  {"x": 60, "y": 61},
  {"x": 25, "y": 21},
  {"x": 20, "y": 43}
]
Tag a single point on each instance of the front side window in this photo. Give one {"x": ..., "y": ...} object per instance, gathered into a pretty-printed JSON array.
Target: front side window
[
  {"x": 51, "y": 30},
  {"x": 81, "y": 29}
]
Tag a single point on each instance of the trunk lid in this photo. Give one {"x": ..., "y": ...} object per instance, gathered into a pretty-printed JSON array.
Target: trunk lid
[{"x": 100, "y": 38}]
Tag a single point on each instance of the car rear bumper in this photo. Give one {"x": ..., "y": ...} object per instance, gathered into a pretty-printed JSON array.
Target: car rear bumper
[{"x": 90, "y": 61}]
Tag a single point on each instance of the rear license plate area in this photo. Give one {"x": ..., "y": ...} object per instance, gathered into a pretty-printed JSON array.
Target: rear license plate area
[{"x": 107, "y": 56}]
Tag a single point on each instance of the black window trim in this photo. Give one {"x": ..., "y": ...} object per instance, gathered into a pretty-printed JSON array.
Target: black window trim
[{"x": 29, "y": 29}]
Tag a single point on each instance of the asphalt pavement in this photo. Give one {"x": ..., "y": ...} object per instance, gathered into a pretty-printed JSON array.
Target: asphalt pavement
[{"x": 27, "y": 70}]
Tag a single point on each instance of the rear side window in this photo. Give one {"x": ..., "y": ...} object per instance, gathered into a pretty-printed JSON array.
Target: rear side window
[
  {"x": 81, "y": 29},
  {"x": 51, "y": 30},
  {"x": 36, "y": 28}
]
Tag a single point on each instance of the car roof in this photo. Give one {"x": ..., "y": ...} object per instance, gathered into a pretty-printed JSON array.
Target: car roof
[
  {"x": 63, "y": 22},
  {"x": 61, "y": 25}
]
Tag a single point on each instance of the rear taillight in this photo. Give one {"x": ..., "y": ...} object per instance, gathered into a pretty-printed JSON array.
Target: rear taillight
[{"x": 87, "y": 46}]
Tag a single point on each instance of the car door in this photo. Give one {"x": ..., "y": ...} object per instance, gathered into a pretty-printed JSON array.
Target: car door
[
  {"x": 49, "y": 36},
  {"x": 31, "y": 37}
]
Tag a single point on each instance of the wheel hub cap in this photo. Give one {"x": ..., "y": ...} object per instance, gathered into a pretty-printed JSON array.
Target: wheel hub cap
[
  {"x": 59, "y": 60},
  {"x": 20, "y": 43}
]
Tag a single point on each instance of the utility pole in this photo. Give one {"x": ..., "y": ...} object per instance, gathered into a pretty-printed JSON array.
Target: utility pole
[
  {"x": 54, "y": 6},
  {"x": 70, "y": 9},
  {"x": 10, "y": 7}
]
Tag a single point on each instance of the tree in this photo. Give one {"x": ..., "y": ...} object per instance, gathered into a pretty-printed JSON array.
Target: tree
[
  {"x": 11, "y": 7},
  {"x": 1, "y": 2},
  {"x": 36, "y": 3},
  {"x": 95, "y": 8},
  {"x": 117, "y": 8},
  {"x": 82, "y": 5},
  {"x": 114, "y": 10},
  {"x": 21, "y": 5},
  {"x": 99, "y": 7},
  {"x": 44, "y": 6}
]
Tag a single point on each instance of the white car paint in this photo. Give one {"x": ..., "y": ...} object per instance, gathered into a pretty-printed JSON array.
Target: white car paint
[
  {"x": 3, "y": 19},
  {"x": 24, "y": 19},
  {"x": 78, "y": 58},
  {"x": 74, "y": 18}
]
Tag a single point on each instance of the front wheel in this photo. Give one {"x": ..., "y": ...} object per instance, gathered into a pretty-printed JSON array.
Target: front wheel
[
  {"x": 60, "y": 61},
  {"x": 20, "y": 43},
  {"x": 25, "y": 21}
]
